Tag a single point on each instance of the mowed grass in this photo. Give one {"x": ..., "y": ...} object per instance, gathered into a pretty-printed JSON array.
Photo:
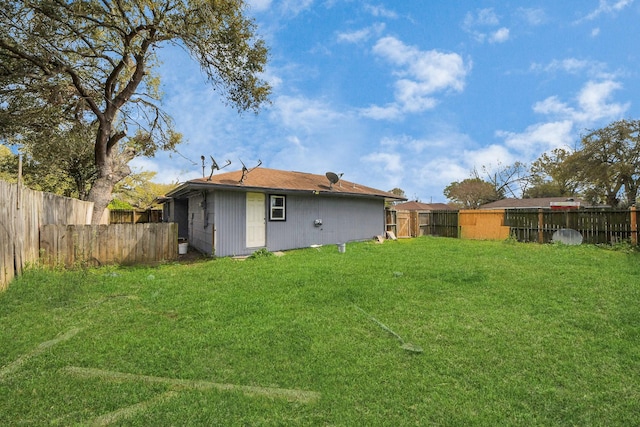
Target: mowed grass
[{"x": 512, "y": 334}]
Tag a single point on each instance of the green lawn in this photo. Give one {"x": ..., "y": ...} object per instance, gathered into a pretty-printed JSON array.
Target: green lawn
[{"x": 512, "y": 334}]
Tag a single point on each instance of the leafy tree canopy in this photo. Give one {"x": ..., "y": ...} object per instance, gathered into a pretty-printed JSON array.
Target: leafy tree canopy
[
  {"x": 139, "y": 191},
  {"x": 67, "y": 63},
  {"x": 551, "y": 175},
  {"x": 607, "y": 164},
  {"x": 471, "y": 193}
]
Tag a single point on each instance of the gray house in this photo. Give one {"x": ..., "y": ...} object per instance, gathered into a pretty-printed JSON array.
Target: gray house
[{"x": 237, "y": 213}]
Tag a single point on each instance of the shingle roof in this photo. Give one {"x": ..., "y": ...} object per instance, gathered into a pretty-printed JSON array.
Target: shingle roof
[
  {"x": 279, "y": 180},
  {"x": 418, "y": 206},
  {"x": 541, "y": 202}
]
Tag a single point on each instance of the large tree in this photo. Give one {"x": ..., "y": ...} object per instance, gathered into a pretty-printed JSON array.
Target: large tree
[
  {"x": 96, "y": 58},
  {"x": 471, "y": 193},
  {"x": 608, "y": 163},
  {"x": 551, "y": 175}
]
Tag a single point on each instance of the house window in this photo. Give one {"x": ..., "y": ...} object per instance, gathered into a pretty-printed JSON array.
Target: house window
[{"x": 277, "y": 208}]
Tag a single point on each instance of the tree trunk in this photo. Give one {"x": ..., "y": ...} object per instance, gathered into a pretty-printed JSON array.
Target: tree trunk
[
  {"x": 100, "y": 195},
  {"x": 112, "y": 167},
  {"x": 102, "y": 188}
]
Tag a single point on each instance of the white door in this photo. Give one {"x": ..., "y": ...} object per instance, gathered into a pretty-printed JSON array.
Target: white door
[{"x": 255, "y": 220}]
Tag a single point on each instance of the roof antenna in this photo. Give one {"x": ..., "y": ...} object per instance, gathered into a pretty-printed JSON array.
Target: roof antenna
[
  {"x": 214, "y": 166},
  {"x": 202, "y": 158},
  {"x": 333, "y": 178},
  {"x": 245, "y": 170}
]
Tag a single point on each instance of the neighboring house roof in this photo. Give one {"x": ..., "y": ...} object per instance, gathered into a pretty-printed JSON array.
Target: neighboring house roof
[
  {"x": 541, "y": 202},
  {"x": 279, "y": 180},
  {"x": 418, "y": 206}
]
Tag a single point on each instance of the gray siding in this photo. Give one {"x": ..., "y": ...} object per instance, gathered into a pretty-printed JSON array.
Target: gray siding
[
  {"x": 200, "y": 222},
  {"x": 230, "y": 224},
  {"x": 220, "y": 229},
  {"x": 343, "y": 220}
]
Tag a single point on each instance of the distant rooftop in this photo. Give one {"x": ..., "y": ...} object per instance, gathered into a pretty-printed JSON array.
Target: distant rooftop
[
  {"x": 534, "y": 203},
  {"x": 418, "y": 206}
]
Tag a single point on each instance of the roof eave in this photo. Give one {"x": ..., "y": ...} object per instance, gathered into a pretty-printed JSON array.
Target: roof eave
[{"x": 188, "y": 187}]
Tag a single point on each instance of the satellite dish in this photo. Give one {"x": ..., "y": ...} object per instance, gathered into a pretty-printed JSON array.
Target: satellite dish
[
  {"x": 567, "y": 236},
  {"x": 214, "y": 166},
  {"x": 333, "y": 178},
  {"x": 246, "y": 170}
]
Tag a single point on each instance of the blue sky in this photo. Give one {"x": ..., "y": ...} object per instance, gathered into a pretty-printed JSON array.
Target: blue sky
[{"x": 412, "y": 94}]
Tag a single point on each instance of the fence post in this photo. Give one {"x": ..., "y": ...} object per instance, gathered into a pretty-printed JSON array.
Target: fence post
[
  {"x": 540, "y": 226},
  {"x": 634, "y": 225}
]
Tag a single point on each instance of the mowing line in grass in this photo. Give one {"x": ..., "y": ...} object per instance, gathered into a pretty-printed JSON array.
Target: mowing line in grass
[
  {"x": 132, "y": 410},
  {"x": 291, "y": 395},
  {"x": 403, "y": 344},
  {"x": 14, "y": 366}
]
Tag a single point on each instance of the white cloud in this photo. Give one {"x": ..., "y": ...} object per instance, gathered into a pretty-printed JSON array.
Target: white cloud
[
  {"x": 594, "y": 104},
  {"x": 442, "y": 142},
  {"x": 499, "y": 36},
  {"x": 553, "y": 106},
  {"x": 259, "y": 5},
  {"x": 538, "y": 138},
  {"x": 389, "y": 162},
  {"x": 304, "y": 114},
  {"x": 442, "y": 171},
  {"x": 569, "y": 65},
  {"x": 361, "y": 35},
  {"x": 380, "y": 11},
  {"x": 575, "y": 66},
  {"x": 421, "y": 75},
  {"x": 295, "y": 141},
  {"x": 295, "y": 7},
  {"x": 595, "y": 32},
  {"x": 388, "y": 112},
  {"x": 477, "y": 24},
  {"x": 165, "y": 174},
  {"x": 488, "y": 156},
  {"x": 606, "y": 7},
  {"x": 483, "y": 17},
  {"x": 532, "y": 16}
]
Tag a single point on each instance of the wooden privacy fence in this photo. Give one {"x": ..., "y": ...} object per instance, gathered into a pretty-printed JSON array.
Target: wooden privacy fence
[
  {"x": 131, "y": 216},
  {"x": 486, "y": 225},
  {"x": 421, "y": 223},
  {"x": 108, "y": 244},
  {"x": 596, "y": 225},
  {"x": 22, "y": 212},
  {"x": 32, "y": 220}
]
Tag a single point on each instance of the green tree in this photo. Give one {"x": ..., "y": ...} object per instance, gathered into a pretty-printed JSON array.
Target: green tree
[
  {"x": 608, "y": 163},
  {"x": 65, "y": 167},
  {"x": 139, "y": 191},
  {"x": 471, "y": 193},
  {"x": 398, "y": 192},
  {"x": 552, "y": 176},
  {"x": 96, "y": 58},
  {"x": 6, "y": 157}
]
